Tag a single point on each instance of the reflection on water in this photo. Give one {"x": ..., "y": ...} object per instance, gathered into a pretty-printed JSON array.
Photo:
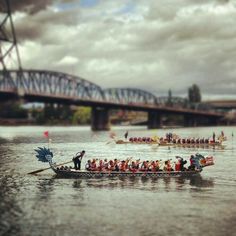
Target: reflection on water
[
  {"x": 45, "y": 187},
  {"x": 201, "y": 182},
  {"x": 48, "y": 205},
  {"x": 46, "y": 190},
  {"x": 9, "y": 206},
  {"x": 132, "y": 182},
  {"x": 77, "y": 183}
]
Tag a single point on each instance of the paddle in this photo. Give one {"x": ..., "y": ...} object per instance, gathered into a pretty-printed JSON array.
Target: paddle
[
  {"x": 40, "y": 170},
  {"x": 110, "y": 141}
]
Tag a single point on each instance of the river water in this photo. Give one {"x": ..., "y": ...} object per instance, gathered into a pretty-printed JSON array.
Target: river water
[{"x": 46, "y": 205}]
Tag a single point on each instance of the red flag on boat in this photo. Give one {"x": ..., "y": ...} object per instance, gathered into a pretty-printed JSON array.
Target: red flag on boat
[{"x": 46, "y": 134}]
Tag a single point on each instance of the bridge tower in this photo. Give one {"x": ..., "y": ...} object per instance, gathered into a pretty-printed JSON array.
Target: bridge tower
[{"x": 9, "y": 52}]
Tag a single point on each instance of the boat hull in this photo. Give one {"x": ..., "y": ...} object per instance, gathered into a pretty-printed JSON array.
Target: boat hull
[
  {"x": 198, "y": 145},
  {"x": 96, "y": 174}
]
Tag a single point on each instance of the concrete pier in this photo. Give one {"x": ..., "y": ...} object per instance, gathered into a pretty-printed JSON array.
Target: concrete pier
[
  {"x": 154, "y": 120},
  {"x": 100, "y": 119}
]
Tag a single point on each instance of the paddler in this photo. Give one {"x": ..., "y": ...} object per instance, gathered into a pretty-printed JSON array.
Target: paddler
[
  {"x": 168, "y": 166},
  {"x": 105, "y": 164},
  {"x": 137, "y": 163},
  {"x": 132, "y": 167},
  {"x": 182, "y": 163},
  {"x": 122, "y": 166},
  {"x": 116, "y": 164},
  {"x": 194, "y": 163},
  {"x": 177, "y": 164},
  {"x": 88, "y": 165},
  {"x": 144, "y": 166},
  {"x": 158, "y": 165},
  {"x": 100, "y": 165},
  {"x": 93, "y": 165},
  {"x": 153, "y": 166},
  {"x": 111, "y": 166}
]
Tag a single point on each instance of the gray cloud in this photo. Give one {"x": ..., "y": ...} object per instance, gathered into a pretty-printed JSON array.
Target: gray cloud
[
  {"x": 31, "y": 6},
  {"x": 153, "y": 45},
  {"x": 38, "y": 26}
]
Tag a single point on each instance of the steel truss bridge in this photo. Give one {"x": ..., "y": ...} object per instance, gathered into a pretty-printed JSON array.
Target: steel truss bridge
[
  {"x": 50, "y": 86},
  {"x": 57, "y": 87}
]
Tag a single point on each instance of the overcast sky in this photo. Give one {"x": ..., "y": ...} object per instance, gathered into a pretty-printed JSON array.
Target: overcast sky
[{"x": 153, "y": 45}]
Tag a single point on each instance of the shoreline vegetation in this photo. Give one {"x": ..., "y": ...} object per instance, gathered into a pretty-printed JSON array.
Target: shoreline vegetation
[{"x": 12, "y": 114}]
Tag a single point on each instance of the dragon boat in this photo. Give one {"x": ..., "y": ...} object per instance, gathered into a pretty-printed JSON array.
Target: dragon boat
[
  {"x": 191, "y": 142},
  {"x": 45, "y": 155}
]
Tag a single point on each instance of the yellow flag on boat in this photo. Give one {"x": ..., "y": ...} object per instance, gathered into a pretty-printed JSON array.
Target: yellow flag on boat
[{"x": 155, "y": 138}]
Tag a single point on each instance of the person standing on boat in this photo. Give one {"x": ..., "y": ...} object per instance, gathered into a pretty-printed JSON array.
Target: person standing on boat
[
  {"x": 77, "y": 160},
  {"x": 214, "y": 137},
  {"x": 126, "y": 135}
]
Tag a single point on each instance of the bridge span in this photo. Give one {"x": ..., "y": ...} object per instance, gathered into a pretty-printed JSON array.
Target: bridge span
[
  {"x": 57, "y": 87},
  {"x": 225, "y": 105}
]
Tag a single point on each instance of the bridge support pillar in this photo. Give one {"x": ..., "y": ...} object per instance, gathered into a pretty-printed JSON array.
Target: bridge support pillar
[
  {"x": 213, "y": 121},
  {"x": 190, "y": 121},
  {"x": 100, "y": 119},
  {"x": 154, "y": 120}
]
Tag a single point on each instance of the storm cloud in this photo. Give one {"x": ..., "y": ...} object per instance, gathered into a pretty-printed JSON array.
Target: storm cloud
[
  {"x": 154, "y": 45},
  {"x": 31, "y": 6}
]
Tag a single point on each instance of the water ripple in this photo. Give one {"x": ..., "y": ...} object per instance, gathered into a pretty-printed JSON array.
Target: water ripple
[{"x": 48, "y": 205}]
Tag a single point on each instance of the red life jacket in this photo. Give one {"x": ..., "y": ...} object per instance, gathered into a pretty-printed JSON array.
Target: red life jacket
[{"x": 177, "y": 166}]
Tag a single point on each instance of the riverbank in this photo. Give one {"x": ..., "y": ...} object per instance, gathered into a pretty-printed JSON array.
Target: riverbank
[{"x": 16, "y": 122}]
